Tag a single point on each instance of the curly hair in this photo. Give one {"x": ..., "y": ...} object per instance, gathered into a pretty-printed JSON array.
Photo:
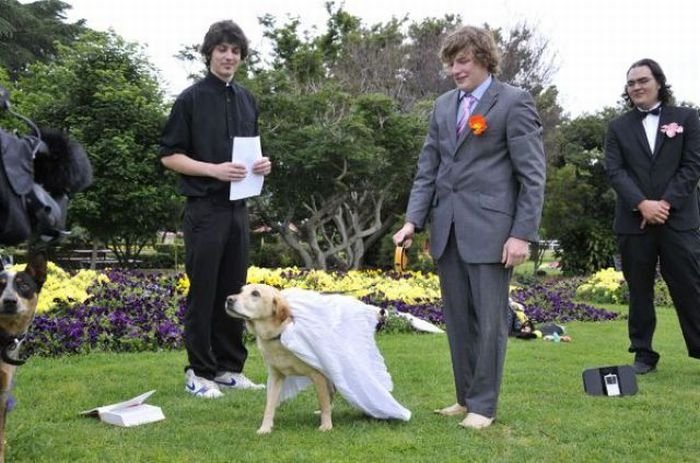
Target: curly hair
[
  {"x": 479, "y": 42},
  {"x": 665, "y": 93},
  {"x": 220, "y": 32}
]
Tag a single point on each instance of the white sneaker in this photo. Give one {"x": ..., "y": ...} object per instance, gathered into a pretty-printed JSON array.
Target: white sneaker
[
  {"x": 231, "y": 380},
  {"x": 201, "y": 387}
]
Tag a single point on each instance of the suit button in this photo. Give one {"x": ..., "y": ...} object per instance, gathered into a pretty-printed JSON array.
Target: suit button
[{"x": 455, "y": 189}]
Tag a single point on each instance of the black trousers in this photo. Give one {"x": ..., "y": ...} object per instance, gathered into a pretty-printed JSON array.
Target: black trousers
[
  {"x": 217, "y": 239},
  {"x": 678, "y": 255}
]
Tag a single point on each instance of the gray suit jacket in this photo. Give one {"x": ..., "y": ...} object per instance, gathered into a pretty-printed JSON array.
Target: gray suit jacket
[{"x": 490, "y": 185}]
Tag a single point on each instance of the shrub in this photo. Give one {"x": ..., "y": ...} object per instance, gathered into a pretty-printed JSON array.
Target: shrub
[
  {"x": 609, "y": 286},
  {"x": 605, "y": 286},
  {"x": 662, "y": 296}
]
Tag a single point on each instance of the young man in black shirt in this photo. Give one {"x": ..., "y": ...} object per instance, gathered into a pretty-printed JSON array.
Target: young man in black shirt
[{"x": 197, "y": 143}]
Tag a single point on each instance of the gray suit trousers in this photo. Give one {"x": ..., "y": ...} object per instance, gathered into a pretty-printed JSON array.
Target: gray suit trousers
[{"x": 475, "y": 306}]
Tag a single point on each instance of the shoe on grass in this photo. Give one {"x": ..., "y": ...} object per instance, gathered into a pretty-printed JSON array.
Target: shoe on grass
[
  {"x": 201, "y": 387},
  {"x": 642, "y": 368},
  {"x": 231, "y": 380}
]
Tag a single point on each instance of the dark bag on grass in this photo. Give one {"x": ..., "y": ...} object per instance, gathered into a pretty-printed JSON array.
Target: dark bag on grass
[{"x": 610, "y": 381}]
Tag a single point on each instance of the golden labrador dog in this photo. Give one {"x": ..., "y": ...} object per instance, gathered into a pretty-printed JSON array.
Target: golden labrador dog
[{"x": 267, "y": 313}]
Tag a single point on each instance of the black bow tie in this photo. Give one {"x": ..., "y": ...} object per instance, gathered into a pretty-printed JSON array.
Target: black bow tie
[{"x": 656, "y": 111}]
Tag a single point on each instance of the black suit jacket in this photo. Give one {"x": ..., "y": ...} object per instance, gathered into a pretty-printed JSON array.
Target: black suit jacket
[{"x": 670, "y": 173}]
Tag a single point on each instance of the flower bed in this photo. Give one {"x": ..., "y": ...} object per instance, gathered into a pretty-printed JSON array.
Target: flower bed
[
  {"x": 553, "y": 300},
  {"x": 126, "y": 312},
  {"x": 129, "y": 311},
  {"x": 609, "y": 286}
]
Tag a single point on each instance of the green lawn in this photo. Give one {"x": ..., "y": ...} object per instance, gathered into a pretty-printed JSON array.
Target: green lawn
[{"x": 544, "y": 414}]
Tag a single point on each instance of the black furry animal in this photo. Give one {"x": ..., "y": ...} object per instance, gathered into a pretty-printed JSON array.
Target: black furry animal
[
  {"x": 38, "y": 173},
  {"x": 63, "y": 167}
]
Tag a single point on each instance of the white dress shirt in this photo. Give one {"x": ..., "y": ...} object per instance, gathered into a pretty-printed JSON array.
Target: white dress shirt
[{"x": 651, "y": 126}]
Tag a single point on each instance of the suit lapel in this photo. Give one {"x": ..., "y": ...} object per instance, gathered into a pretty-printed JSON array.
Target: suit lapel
[
  {"x": 452, "y": 115},
  {"x": 639, "y": 133},
  {"x": 664, "y": 118}
]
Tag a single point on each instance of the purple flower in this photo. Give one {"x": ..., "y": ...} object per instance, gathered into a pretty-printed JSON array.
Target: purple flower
[{"x": 136, "y": 312}]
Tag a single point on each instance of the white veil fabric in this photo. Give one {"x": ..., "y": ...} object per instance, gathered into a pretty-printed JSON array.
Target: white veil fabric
[{"x": 335, "y": 334}]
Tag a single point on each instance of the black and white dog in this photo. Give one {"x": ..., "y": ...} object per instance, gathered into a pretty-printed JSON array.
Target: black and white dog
[
  {"x": 19, "y": 293},
  {"x": 38, "y": 173}
]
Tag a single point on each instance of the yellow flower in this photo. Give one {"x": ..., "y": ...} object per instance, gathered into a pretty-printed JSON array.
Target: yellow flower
[
  {"x": 414, "y": 287},
  {"x": 604, "y": 286},
  {"x": 63, "y": 288}
]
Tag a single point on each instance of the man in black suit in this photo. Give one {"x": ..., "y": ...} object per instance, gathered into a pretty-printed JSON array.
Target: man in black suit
[{"x": 652, "y": 156}]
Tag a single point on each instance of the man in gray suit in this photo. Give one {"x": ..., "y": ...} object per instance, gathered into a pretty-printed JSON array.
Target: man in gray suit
[{"x": 480, "y": 180}]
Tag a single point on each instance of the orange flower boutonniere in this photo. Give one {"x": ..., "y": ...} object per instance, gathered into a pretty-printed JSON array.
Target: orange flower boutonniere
[{"x": 478, "y": 124}]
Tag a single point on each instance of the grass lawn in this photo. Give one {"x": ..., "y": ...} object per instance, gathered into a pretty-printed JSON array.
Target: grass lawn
[{"x": 544, "y": 414}]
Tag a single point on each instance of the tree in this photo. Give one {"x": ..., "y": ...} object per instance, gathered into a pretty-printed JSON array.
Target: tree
[
  {"x": 580, "y": 204},
  {"x": 30, "y": 32},
  {"x": 339, "y": 161},
  {"x": 105, "y": 93},
  {"x": 526, "y": 59},
  {"x": 343, "y": 115}
]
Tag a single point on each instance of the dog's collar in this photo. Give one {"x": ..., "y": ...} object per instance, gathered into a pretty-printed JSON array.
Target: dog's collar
[
  {"x": 10, "y": 349},
  {"x": 274, "y": 338}
]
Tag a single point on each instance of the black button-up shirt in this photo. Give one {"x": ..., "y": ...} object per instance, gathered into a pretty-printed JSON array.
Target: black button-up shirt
[{"x": 203, "y": 121}]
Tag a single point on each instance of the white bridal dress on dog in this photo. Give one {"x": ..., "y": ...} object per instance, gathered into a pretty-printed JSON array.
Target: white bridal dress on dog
[{"x": 335, "y": 334}]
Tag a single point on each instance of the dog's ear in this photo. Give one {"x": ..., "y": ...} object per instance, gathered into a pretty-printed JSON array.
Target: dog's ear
[
  {"x": 37, "y": 268},
  {"x": 282, "y": 311}
]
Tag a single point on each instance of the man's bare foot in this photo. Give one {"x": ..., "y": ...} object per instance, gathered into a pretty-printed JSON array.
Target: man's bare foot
[{"x": 452, "y": 410}]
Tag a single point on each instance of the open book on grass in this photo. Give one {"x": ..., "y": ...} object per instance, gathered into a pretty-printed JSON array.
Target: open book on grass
[{"x": 131, "y": 412}]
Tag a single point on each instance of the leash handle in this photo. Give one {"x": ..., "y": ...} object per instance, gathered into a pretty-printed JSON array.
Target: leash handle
[{"x": 400, "y": 258}]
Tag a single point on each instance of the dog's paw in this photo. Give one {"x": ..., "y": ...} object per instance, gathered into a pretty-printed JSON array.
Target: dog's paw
[
  {"x": 325, "y": 427},
  {"x": 264, "y": 430}
]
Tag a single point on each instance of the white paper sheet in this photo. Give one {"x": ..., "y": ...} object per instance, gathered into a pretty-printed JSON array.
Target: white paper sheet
[
  {"x": 138, "y": 400},
  {"x": 246, "y": 150},
  {"x": 132, "y": 412}
]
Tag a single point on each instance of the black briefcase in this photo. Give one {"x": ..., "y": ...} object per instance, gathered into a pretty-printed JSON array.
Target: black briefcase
[{"x": 611, "y": 381}]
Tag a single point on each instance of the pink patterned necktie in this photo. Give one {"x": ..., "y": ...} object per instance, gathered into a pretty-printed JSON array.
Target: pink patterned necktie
[{"x": 465, "y": 109}]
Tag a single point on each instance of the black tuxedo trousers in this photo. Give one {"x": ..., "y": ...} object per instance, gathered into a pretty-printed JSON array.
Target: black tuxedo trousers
[
  {"x": 216, "y": 261},
  {"x": 678, "y": 256}
]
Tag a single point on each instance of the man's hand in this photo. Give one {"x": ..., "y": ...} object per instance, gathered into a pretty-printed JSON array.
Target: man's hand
[
  {"x": 515, "y": 252},
  {"x": 228, "y": 171},
  {"x": 404, "y": 237},
  {"x": 235, "y": 172},
  {"x": 654, "y": 212},
  {"x": 262, "y": 166}
]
